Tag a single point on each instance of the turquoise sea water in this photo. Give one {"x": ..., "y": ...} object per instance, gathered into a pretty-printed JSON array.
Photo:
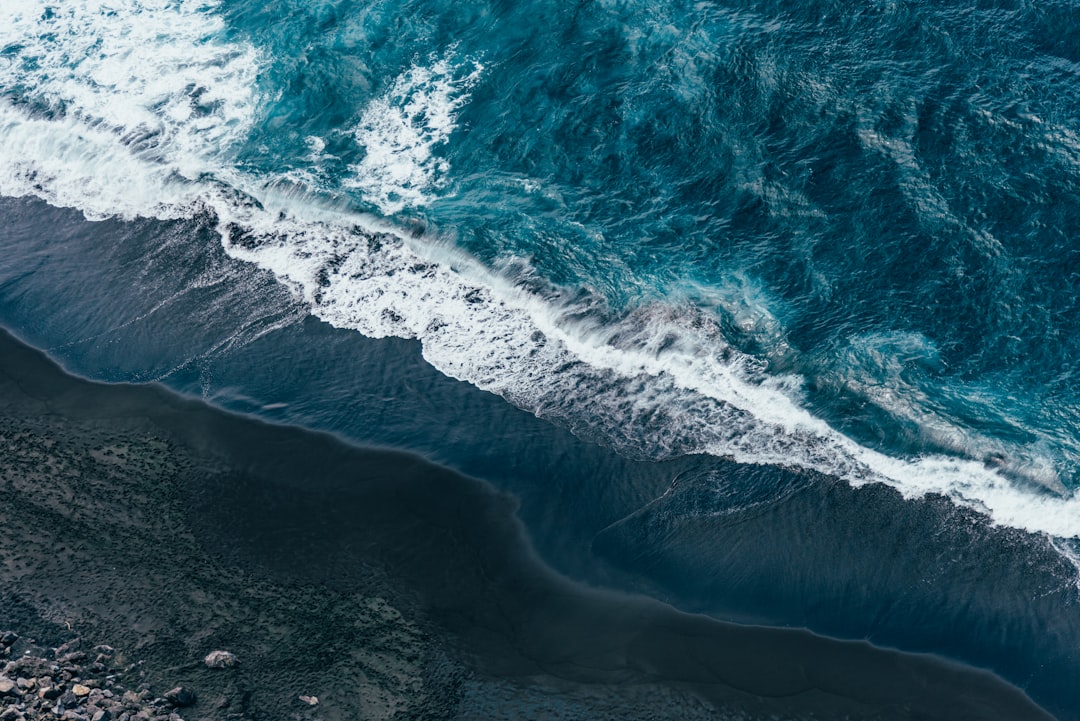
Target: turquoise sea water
[{"x": 833, "y": 237}]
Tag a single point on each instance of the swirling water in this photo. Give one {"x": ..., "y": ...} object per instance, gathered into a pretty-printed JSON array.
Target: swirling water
[{"x": 832, "y": 236}]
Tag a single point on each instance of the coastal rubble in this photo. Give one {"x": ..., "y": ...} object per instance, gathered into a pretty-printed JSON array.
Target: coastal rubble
[{"x": 43, "y": 684}]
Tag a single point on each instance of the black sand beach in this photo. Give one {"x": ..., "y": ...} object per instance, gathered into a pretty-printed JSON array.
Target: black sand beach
[{"x": 384, "y": 585}]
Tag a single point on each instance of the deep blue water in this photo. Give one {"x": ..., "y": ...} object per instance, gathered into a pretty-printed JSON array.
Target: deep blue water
[
  {"x": 877, "y": 198},
  {"x": 778, "y": 239}
]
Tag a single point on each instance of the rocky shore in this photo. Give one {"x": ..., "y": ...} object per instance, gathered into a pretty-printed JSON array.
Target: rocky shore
[{"x": 80, "y": 682}]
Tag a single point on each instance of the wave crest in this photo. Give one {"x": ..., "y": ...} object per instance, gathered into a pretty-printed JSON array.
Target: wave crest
[{"x": 658, "y": 381}]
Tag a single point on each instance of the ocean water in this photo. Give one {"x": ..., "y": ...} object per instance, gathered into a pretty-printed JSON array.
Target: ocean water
[{"x": 820, "y": 245}]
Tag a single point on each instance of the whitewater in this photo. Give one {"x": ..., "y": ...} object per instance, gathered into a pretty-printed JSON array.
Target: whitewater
[{"x": 142, "y": 109}]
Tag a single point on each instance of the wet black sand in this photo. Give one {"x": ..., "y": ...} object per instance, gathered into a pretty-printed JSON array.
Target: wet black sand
[
  {"x": 385, "y": 585},
  {"x": 144, "y": 299}
]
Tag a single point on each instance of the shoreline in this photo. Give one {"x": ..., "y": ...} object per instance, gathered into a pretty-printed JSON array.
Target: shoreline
[
  {"x": 375, "y": 580},
  {"x": 143, "y": 299}
]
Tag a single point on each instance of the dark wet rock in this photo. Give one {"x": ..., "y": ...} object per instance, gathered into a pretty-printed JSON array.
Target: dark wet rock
[
  {"x": 68, "y": 647},
  {"x": 42, "y": 695},
  {"x": 28, "y": 666},
  {"x": 8, "y": 637},
  {"x": 180, "y": 697},
  {"x": 220, "y": 659}
]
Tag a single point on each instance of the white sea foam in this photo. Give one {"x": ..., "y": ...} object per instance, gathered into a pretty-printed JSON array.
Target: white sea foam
[
  {"x": 115, "y": 107},
  {"x": 659, "y": 383},
  {"x": 401, "y": 133},
  {"x": 113, "y": 121}
]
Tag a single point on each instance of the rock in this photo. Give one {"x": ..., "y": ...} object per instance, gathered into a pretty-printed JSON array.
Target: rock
[
  {"x": 8, "y": 637},
  {"x": 310, "y": 700},
  {"x": 62, "y": 690},
  {"x": 28, "y": 666},
  {"x": 180, "y": 697},
  {"x": 68, "y": 647},
  {"x": 220, "y": 659}
]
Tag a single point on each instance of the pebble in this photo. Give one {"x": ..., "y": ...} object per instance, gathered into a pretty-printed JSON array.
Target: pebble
[
  {"x": 310, "y": 700},
  {"x": 180, "y": 697},
  {"x": 220, "y": 659},
  {"x": 33, "y": 688}
]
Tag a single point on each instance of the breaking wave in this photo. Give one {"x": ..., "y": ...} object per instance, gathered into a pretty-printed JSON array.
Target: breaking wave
[{"x": 142, "y": 109}]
